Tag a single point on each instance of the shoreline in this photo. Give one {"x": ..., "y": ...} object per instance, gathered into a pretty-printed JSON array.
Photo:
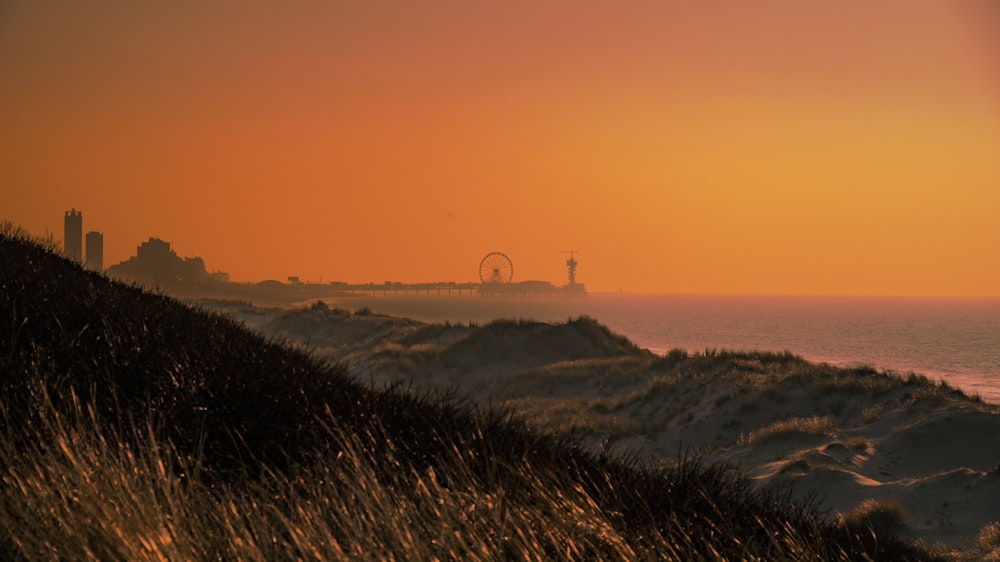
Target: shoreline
[
  {"x": 820, "y": 329},
  {"x": 848, "y": 434}
]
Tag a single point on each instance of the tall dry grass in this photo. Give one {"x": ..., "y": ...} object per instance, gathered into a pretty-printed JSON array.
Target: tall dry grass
[{"x": 136, "y": 428}]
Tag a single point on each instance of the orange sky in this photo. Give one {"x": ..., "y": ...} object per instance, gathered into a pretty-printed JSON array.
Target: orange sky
[{"x": 784, "y": 147}]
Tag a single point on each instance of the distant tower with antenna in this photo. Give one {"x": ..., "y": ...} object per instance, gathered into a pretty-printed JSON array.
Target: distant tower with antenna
[
  {"x": 571, "y": 264},
  {"x": 73, "y": 235},
  {"x": 573, "y": 288}
]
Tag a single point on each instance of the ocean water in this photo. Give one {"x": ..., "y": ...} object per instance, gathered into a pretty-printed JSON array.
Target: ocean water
[{"x": 956, "y": 340}]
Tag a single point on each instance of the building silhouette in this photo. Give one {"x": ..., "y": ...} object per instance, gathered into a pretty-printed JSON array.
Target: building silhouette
[
  {"x": 73, "y": 235},
  {"x": 156, "y": 265},
  {"x": 95, "y": 251}
]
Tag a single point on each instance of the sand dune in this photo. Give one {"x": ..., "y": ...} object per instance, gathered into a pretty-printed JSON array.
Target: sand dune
[{"x": 848, "y": 435}]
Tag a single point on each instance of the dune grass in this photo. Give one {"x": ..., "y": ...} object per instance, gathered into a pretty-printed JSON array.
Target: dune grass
[
  {"x": 988, "y": 541},
  {"x": 814, "y": 425},
  {"x": 880, "y": 518},
  {"x": 137, "y": 428}
]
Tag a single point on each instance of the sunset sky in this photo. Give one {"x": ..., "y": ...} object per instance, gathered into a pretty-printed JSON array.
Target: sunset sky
[{"x": 776, "y": 146}]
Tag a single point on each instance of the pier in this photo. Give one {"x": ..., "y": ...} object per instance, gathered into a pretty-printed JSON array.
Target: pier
[
  {"x": 448, "y": 289},
  {"x": 394, "y": 288}
]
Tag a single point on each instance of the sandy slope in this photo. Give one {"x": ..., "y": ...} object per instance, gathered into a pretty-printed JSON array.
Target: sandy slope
[{"x": 848, "y": 435}]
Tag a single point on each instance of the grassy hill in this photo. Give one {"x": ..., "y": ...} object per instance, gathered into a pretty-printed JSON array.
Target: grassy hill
[{"x": 135, "y": 427}]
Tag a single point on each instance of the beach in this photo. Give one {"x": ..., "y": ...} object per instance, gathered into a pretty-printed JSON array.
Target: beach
[
  {"x": 952, "y": 339},
  {"x": 840, "y": 436}
]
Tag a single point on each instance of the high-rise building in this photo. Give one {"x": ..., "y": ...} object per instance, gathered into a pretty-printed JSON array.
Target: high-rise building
[
  {"x": 73, "y": 235},
  {"x": 95, "y": 251}
]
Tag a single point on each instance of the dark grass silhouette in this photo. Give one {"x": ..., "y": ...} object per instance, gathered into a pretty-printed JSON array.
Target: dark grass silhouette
[{"x": 135, "y": 427}]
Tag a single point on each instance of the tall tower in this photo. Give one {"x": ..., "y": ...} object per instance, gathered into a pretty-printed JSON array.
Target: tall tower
[
  {"x": 73, "y": 236},
  {"x": 95, "y": 251},
  {"x": 571, "y": 264}
]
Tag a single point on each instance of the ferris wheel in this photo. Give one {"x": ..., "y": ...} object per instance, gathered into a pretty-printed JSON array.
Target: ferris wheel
[{"x": 496, "y": 267}]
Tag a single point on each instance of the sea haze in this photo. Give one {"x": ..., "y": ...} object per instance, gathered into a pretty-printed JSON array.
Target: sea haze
[{"x": 957, "y": 340}]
